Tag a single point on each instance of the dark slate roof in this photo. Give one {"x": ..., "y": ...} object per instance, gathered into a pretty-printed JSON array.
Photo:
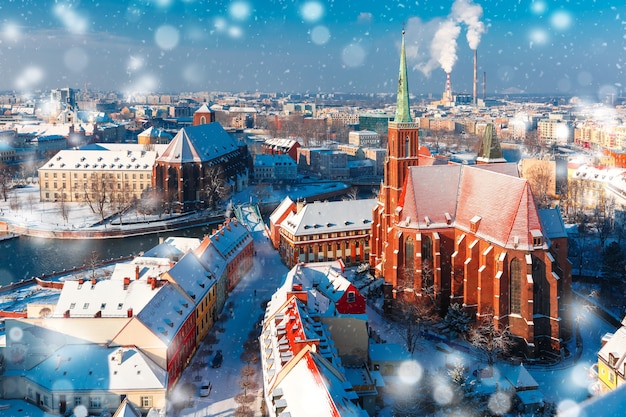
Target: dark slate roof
[{"x": 200, "y": 143}]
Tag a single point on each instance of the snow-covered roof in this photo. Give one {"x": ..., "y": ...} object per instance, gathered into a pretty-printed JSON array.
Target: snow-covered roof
[
  {"x": 552, "y": 223},
  {"x": 45, "y": 129},
  {"x": 126, "y": 409},
  {"x": 230, "y": 238},
  {"x": 92, "y": 367},
  {"x": 314, "y": 388},
  {"x": 600, "y": 174},
  {"x": 192, "y": 277},
  {"x": 615, "y": 347},
  {"x": 330, "y": 217},
  {"x": 103, "y": 160},
  {"x": 166, "y": 312},
  {"x": 173, "y": 248},
  {"x": 280, "y": 143},
  {"x": 278, "y": 212},
  {"x": 521, "y": 379},
  {"x": 154, "y": 132},
  {"x": 199, "y": 143},
  {"x": 127, "y": 288},
  {"x": 324, "y": 282}
]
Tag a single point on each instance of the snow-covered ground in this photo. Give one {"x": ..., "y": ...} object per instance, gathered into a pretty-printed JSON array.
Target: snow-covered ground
[{"x": 23, "y": 207}]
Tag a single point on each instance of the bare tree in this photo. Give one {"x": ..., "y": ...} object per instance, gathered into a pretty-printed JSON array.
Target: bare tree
[
  {"x": 532, "y": 143},
  {"x": 351, "y": 194},
  {"x": 541, "y": 183},
  {"x": 6, "y": 177},
  {"x": 491, "y": 339},
  {"x": 215, "y": 190},
  {"x": 97, "y": 195},
  {"x": 93, "y": 263},
  {"x": 31, "y": 199},
  {"x": 604, "y": 216},
  {"x": 64, "y": 208}
]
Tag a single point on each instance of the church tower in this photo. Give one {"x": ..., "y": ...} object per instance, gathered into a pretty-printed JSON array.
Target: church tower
[{"x": 402, "y": 152}]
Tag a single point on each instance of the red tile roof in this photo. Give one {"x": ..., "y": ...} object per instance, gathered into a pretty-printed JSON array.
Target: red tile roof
[{"x": 456, "y": 195}]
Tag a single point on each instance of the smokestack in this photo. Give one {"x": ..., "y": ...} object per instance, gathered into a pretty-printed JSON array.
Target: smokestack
[
  {"x": 448, "y": 95},
  {"x": 484, "y": 85},
  {"x": 475, "y": 80}
]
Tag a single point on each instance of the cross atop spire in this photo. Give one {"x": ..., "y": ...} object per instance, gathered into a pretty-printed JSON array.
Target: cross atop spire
[{"x": 403, "y": 111}]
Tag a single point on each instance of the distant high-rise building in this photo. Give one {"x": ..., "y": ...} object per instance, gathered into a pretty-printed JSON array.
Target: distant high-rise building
[{"x": 64, "y": 97}]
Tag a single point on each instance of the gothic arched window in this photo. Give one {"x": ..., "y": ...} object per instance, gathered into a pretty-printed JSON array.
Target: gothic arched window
[
  {"x": 515, "y": 294},
  {"x": 409, "y": 262},
  {"x": 541, "y": 289}
]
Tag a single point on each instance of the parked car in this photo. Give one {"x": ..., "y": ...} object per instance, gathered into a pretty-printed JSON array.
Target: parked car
[
  {"x": 217, "y": 360},
  {"x": 205, "y": 390}
]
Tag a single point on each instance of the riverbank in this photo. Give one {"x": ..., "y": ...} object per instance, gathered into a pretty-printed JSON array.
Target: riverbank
[{"x": 23, "y": 214}]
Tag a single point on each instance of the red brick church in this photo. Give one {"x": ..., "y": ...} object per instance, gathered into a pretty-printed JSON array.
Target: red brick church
[{"x": 470, "y": 234}]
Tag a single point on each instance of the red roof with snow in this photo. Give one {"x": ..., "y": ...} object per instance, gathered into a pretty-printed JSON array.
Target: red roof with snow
[{"x": 498, "y": 206}]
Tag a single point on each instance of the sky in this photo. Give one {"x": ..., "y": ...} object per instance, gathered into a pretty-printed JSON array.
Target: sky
[{"x": 573, "y": 47}]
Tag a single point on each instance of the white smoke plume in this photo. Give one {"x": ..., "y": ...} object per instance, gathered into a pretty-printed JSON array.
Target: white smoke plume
[
  {"x": 443, "y": 46},
  {"x": 441, "y": 34},
  {"x": 468, "y": 13}
]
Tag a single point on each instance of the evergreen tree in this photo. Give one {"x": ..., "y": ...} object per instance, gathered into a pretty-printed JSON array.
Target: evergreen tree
[
  {"x": 613, "y": 260},
  {"x": 457, "y": 320}
]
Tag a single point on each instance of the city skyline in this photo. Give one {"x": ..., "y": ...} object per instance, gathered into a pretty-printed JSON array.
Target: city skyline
[{"x": 536, "y": 46}]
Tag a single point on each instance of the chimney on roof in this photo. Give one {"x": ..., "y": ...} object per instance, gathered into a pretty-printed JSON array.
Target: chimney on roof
[
  {"x": 129, "y": 312},
  {"x": 93, "y": 281},
  {"x": 126, "y": 282},
  {"x": 119, "y": 356},
  {"x": 80, "y": 281},
  {"x": 137, "y": 272},
  {"x": 66, "y": 314}
]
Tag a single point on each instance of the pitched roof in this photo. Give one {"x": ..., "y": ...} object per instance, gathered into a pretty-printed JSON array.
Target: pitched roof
[
  {"x": 326, "y": 393},
  {"x": 126, "y": 288},
  {"x": 521, "y": 379},
  {"x": 324, "y": 282},
  {"x": 92, "y": 367},
  {"x": 103, "y": 159},
  {"x": 166, "y": 312},
  {"x": 501, "y": 207},
  {"x": 126, "y": 409},
  {"x": 173, "y": 248},
  {"x": 616, "y": 347},
  {"x": 285, "y": 205},
  {"x": 330, "y": 217},
  {"x": 552, "y": 223},
  {"x": 199, "y": 143},
  {"x": 192, "y": 277},
  {"x": 230, "y": 238}
]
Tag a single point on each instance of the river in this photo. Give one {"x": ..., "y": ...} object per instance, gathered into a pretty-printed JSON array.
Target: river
[{"x": 27, "y": 257}]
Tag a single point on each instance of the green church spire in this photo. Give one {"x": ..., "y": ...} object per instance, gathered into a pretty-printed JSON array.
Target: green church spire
[{"x": 403, "y": 112}]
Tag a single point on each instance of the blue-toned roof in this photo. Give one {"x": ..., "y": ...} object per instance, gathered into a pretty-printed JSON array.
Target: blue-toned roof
[{"x": 165, "y": 314}]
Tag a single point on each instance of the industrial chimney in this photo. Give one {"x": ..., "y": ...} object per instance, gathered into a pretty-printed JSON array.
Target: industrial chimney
[
  {"x": 484, "y": 85},
  {"x": 448, "y": 93},
  {"x": 475, "y": 80}
]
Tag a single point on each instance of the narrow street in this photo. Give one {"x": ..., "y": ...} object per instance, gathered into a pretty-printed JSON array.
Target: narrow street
[{"x": 246, "y": 301}]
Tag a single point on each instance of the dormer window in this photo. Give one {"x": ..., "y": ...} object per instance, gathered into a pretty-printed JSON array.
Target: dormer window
[
  {"x": 474, "y": 223},
  {"x": 537, "y": 238}
]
